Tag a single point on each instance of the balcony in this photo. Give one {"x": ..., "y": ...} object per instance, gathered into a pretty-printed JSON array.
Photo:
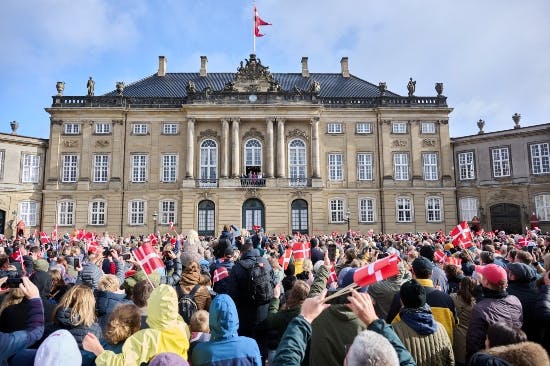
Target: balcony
[
  {"x": 206, "y": 183},
  {"x": 252, "y": 182}
]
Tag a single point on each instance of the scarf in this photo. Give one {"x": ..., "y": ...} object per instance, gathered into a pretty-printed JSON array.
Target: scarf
[{"x": 420, "y": 319}]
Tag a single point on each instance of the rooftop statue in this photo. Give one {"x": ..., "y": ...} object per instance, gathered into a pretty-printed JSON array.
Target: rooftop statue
[
  {"x": 411, "y": 86},
  {"x": 91, "y": 86}
]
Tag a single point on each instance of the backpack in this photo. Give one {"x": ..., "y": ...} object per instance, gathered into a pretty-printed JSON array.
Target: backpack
[
  {"x": 186, "y": 303},
  {"x": 260, "y": 288}
]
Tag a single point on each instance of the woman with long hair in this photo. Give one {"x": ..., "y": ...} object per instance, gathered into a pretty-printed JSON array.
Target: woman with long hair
[
  {"x": 464, "y": 300},
  {"x": 59, "y": 287}
]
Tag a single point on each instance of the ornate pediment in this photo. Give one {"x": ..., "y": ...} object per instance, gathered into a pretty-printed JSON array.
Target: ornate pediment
[
  {"x": 207, "y": 133},
  {"x": 252, "y": 76},
  {"x": 253, "y": 134},
  {"x": 297, "y": 133}
]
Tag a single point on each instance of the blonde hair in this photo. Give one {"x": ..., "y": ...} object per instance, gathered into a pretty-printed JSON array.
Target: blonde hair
[
  {"x": 124, "y": 321},
  {"x": 307, "y": 265},
  {"x": 15, "y": 296},
  {"x": 108, "y": 282},
  {"x": 200, "y": 322},
  {"x": 298, "y": 293},
  {"x": 81, "y": 302}
]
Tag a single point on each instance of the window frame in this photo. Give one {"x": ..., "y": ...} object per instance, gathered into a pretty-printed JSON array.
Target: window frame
[
  {"x": 298, "y": 169},
  {"x": 97, "y": 216},
  {"x": 71, "y": 128},
  {"x": 335, "y": 167},
  {"x": 138, "y": 213},
  {"x": 169, "y": 172},
  {"x": 399, "y": 128},
  {"x": 254, "y": 152},
  {"x": 139, "y": 169},
  {"x": 335, "y": 128},
  {"x": 140, "y": 128},
  {"x": 100, "y": 170},
  {"x": 466, "y": 167},
  {"x": 366, "y": 212},
  {"x": 404, "y": 175},
  {"x": 211, "y": 168},
  {"x": 430, "y": 169},
  {"x": 2, "y": 162},
  {"x": 540, "y": 157},
  {"x": 102, "y": 128},
  {"x": 499, "y": 165},
  {"x": 435, "y": 211},
  {"x": 168, "y": 214},
  {"x": 468, "y": 213},
  {"x": 66, "y": 217},
  {"x": 365, "y": 169},
  {"x": 170, "y": 128},
  {"x": 27, "y": 216},
  {"x": 367, "y": 130},
  {"x": 32, "y": 170},
  {"x": 68, "y": 169},
  {"x": 336, "y": 214},
  {"x": 206, "y": 217},
  {"x": 424, "y": 130},
  {"x": 542, "y": 212},
  {"x": 404, "y": 210}
]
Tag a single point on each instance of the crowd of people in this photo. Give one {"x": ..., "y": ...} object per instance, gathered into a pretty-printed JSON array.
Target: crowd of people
[{"x": 248, "y": 298}]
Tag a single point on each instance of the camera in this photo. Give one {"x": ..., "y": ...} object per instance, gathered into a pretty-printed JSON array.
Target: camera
[{"x": 14, "y": 279}]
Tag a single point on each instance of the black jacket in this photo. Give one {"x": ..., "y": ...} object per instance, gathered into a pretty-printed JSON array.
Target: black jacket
[{"x": 105, "y": 304}]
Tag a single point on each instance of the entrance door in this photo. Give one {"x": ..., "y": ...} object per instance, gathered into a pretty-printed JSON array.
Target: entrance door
[
  {"x": 299, "y": 217},
  {"x": 253, "y": 214},
  {"x": 507, "y": 217}
]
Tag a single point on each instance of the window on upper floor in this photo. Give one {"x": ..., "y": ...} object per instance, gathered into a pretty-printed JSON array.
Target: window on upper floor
[
  {"x": 71, "y": 128},
  {"x": 404, "y": 209},
  {"x": 102, "y": 128},
  {"x": 209, "y": 162},
  {"x": 500, "y": 157},
  {"x": 139, "y": 168},
  {"x": 399, "y": 127},
  {"x": 169, "y": 172},
  {"x": 401, "y": 166},
  {"x": 336, "y": 166},
  {"x": 363, "y": 128},
  {"x": 69, "y": 168},
  {"x": 253, "y": 156},
  {"x": 97, "y": 213},
  {"x": 427, "y": 127},
  {"x": 136, "y": 212},
  {"x": 100, "y": 172},
  {"x": 2, "y": 155},
  {"x": 334, "y": 127},
  {"x": 31, "y": 168},
  {"x": 364, "y": 166},
  {"x": 366, "y": 210},
  {"x": 468, "y": 207},
  {"x": 542, "y": 206},
  {"x": 434, "y": 209},
  {"x": 65, "y": 213},
  {"x": 140, "y": 129},
  {"x": 170, "y": 129},
  {"x": 336, "y": 210},
  {"x": 297, "y": 161},
  {"x": 28, "y": 211},
  {"x": 466, "y": 166},
  {"x": 540, "y": 158},
  {"x": 430, "y": 167}
]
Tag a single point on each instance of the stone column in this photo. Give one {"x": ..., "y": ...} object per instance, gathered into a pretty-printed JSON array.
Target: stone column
[
  {"x": 235, "y": 149},
  {"x": 190, "y": 169},
  {"x": 315, "y": 161},
  {"x": 281, "y": 148},
  {"x": 269, "y": 161},
  {"x": 225, "y": 149}
]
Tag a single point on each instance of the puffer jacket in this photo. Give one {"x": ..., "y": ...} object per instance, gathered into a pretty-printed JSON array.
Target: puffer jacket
[
  {"x": 91, "y": 274},
  {"x": 167, "y": 333},
  {"x": 523, "y": 287},
  {"x": 225, "y": 346},
  {"x": 519, "y": 354},
  {"x": 494, "y": 307},
  {"x": 106, "y": 301}
]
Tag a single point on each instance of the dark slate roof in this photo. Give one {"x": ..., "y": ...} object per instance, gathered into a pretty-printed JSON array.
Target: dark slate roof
[{"x": 333, "y": 85}]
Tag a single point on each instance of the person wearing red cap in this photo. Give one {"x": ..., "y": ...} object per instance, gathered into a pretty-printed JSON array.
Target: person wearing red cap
[{"x": 496, "y": 306}]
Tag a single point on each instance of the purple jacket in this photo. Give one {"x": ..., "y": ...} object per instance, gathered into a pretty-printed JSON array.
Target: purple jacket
[{"x": 494, "y": 307}]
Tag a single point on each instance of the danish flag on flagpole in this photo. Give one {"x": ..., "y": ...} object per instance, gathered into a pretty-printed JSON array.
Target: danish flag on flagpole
[
  {"x": 284, "y": 260},
  {"x": 258, "y": 22},
  {"x": 172, "y": 226},
  {"x": 55, "y": 234},
  {"x": 377, "y": 271},
  {"x": 44, "y": 238},
  {"x": 219, "y": 274},
  {"x": 153, "y": 239},
  {"x": 148, "y": 258},
  {"x": 462, "y": 235}
]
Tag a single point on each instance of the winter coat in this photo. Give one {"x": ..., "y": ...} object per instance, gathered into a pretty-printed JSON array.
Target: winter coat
[
  {"x": 193, "y": 249},
  {"x": 175, "y": 276},
  {"x": 250, "y": 314},
  {"x": 494, "y": 307},
  {"x": 464, "y": 312},
  {"x": 431, "y": 349},
  {"x": 91, "y": 274},
  {"x": 106, "y": 301},
  {"x": 542, "y": 309},
  {"x": 277, "y": 322},
  {"x": 225, "y": 346},
  {"x": 527, "y": 294},
  {"x": 221, "y": 286},
  {"x": 189, "y": 279},
  {"x": 519, "y": 354},
  {"x": 384, "y": 291},
  {"x": 13, "y": 342},
  {"x": 167, "y": 333}
]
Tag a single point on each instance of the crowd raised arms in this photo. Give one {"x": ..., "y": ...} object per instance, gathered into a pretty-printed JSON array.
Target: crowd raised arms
[{"x": 247, "y": 297}]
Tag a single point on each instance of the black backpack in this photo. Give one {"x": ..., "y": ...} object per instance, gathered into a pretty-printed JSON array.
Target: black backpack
[
  {"x": 186, "y": 303},
  {"x": 260, "y": 288}
]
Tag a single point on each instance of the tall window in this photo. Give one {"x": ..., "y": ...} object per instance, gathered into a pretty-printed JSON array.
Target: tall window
[
  {"x": 102, "y": 128},
  {"x": 136, "y": 212},
  {"x": 253, "y": 156},
  {"x": 401, "y": 166},
  {"x": 69, "y": 169},
  {"x": 336, "y": 166},
  {"x": 404, "y": 209},
  {"x": 169, "y": 167},
  {"x": 139, "y": 168},
  {"x": 336, "y": 210},
  {"x": 253, "y": 212},
  {"x": 429, "y": 162},
  {"x": 542, "y": 206},
  {"x": 434, "y": 211},
  {"x": 540, "y": 158},
  {"x": 466, "y": 165},
  {"x": 28, "y": 212},
  {"x": 364, "y": 166},
  {"x": 170, "y": 129},
  {"x": 140, "y": 129},
  {"x": 299, "y": 219},
  {"x": 71, "y": 128},
  {"x": 31, "y": 168},
  {"x": 167, "y": 212},
  {"x": 366, "y": 210},
  {"x": 428, "y": 127},
  {"x": 101, "y": 169},
  {"x": 65, "y": 213},
  {"x": 501, "y": 162},
  {"x": 209, "y": 160},
  {"x": 363, "y": 128},
  {"x": 297, "y": 163},
  {"x": 206, "y": 218},
  {"x": 399, "y": 127},
  {"x": 334, "y": 127},
  {"x": 97, "y": 212},
  {"x": 2, "y": 155},
  {"x": 468, "y": 208}
]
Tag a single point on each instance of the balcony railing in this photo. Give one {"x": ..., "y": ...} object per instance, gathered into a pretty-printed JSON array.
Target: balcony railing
[
  {"x": 206, "y": 183},
  {"x": 299, "y": 182},
  {"x": 252, "y": 182}
]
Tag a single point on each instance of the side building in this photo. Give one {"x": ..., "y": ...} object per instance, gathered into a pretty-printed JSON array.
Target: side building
[
  {"x": 291, "y": 152},
  {"x": 503, "y": 177}
]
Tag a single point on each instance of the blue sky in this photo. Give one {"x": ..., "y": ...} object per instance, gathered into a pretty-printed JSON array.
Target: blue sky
[{"x": 493, "y": 56}]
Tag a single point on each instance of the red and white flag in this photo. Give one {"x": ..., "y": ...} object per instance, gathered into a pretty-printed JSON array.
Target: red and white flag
[
  {"x": 523, "y": 242},
  {"x": 301, "y": 250},
  {"x": 462, "y": 235},
  {"x": 440, "y": 256},
  {"x": 44, "y": 238},
  {"x": 258, "y": 22},
  {"x": 455, "y": 261},
  {"x": 55, "y": 234},
  {"x": 377, "y": 271},
  {"x": 93, "y": 246},
  {"x": 153, "y": 239},
  {"x": 219, "y": 274},
  {"x": 147, "y": 258},
  {"x": 332, "y": 277},
  {"x": 172, "y": 228},
  {"x": 284, "y": 260}
]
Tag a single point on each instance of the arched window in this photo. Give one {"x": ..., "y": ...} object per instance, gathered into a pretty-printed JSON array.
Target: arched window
[
  {"x": 208, "y": 163},
  {"x": 207, "y": 211},
  {"x": 299, "y": 216},
  {"x": 252, "y": 156},
  {"x": 297, "y": 162},
  {"x": 253, "y": 214}
]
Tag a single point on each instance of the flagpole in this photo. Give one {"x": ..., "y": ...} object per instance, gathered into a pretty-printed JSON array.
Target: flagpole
[{"x": 146, "y": 275}]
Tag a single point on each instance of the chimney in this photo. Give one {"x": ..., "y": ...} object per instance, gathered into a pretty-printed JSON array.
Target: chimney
[
  {"x": 204, "y": 62},
  {"x": 345, "y": 67},
  {"x": 305, "y": 70},
  {"x": 162, "y": 66}
]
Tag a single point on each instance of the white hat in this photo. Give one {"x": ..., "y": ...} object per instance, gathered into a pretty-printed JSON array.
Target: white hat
[{"x": 60, "y": 348}]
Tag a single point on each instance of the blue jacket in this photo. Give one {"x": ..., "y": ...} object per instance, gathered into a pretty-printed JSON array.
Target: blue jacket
[
  {"x": 225, "y": 347},
  {"x": 11, "y": 343},
  {"x": 106, "y": 301}
]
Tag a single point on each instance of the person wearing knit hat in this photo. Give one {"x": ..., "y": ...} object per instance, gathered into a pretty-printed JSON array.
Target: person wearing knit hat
[
  {"x": 59, "y": 348},
  {"x": 424, "y": 337},
  {"x": 168, "y": 359},
  {"x": 496, "y": 306}
]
